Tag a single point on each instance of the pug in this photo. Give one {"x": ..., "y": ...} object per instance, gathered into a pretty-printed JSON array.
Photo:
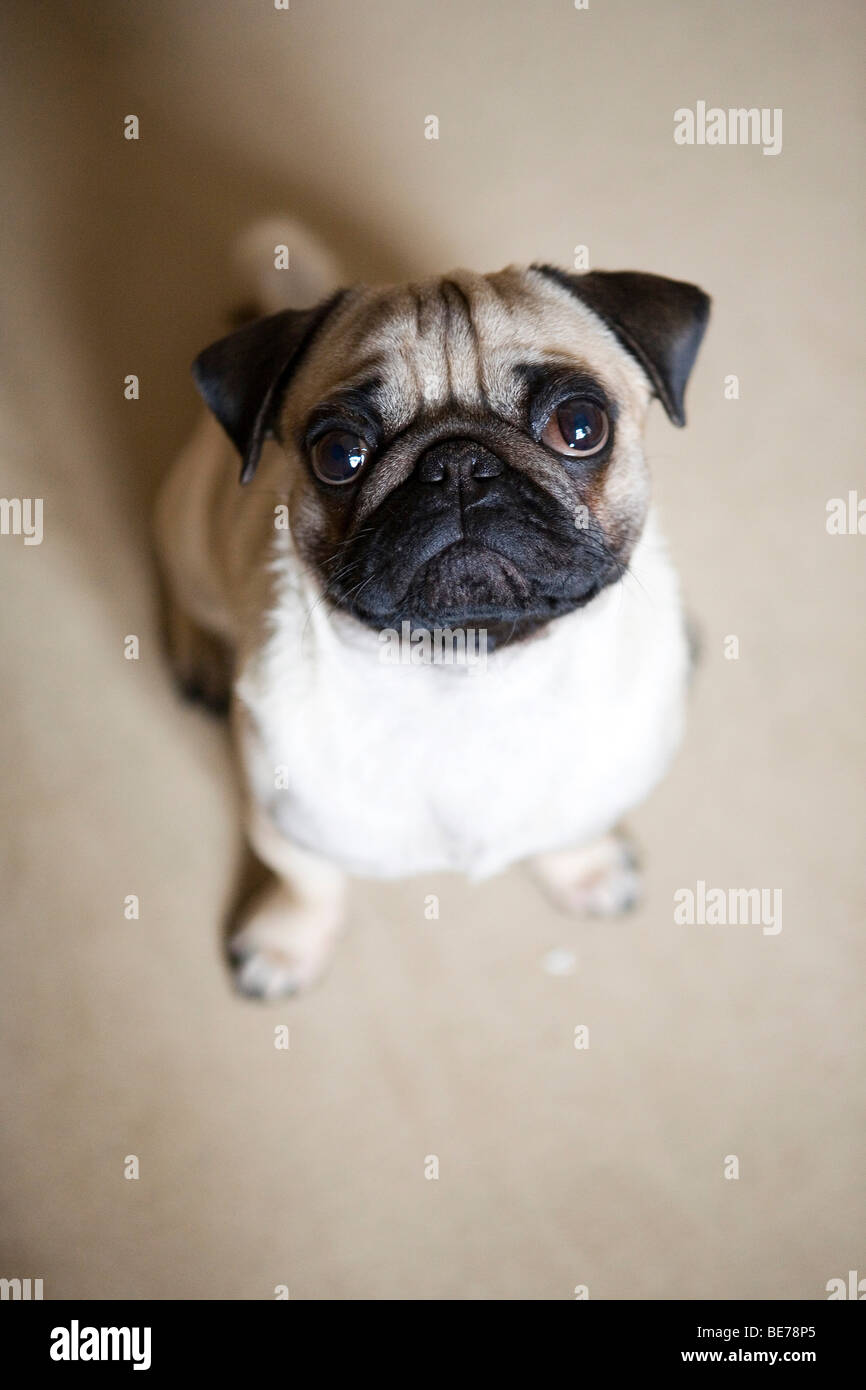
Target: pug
[{"x": 459, "y": 456}]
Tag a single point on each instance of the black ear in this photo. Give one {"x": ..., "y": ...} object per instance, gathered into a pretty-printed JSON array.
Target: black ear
[
  {"x": 661, "y": 322},
  {"x": 242, "y": 377}
]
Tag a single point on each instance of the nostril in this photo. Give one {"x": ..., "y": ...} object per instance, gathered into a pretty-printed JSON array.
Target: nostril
[
  {"x": 486, "y": 465},
  {"x": 456, "y": 461},
  {"x": 431, "y": 468}
]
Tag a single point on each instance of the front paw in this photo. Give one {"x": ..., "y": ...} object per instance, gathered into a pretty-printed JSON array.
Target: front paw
[
  {"x": 282, "y": 946},
  {"x": 600, "y": 880}
]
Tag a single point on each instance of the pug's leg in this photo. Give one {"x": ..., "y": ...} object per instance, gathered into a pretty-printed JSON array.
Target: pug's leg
[
  {"x": 600, "y": 880},
  {"x": 286, "y": 932},
  {"x": 201, "y": 662}
]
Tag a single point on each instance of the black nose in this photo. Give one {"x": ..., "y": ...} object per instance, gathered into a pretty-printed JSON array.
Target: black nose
[{"x": 455, "y": 461}]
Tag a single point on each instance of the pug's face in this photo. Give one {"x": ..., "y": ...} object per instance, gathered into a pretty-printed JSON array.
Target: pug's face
[{"x": 464, "y": 452}]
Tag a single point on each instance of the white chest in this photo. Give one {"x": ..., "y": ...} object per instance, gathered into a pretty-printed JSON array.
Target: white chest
[{"x": 395, "y": 770}]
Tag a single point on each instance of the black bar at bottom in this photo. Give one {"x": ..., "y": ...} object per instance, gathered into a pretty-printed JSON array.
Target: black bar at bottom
[{"x": 163, "y": 1338}]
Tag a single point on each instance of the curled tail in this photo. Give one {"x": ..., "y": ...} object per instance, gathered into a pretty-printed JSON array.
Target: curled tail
[{"x": 312, "y": 273}]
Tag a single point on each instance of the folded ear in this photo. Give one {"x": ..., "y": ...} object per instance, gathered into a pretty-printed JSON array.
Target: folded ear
[
  {"x": 243, "y": 377},
  {"x": 660, "y": 322}
]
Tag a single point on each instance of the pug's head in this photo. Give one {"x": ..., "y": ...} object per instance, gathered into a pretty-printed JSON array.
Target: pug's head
[{"x": 463, "y": 452}]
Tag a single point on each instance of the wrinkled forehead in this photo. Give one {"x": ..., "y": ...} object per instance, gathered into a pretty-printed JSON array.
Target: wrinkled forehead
[{"x": 463, "y": 340}]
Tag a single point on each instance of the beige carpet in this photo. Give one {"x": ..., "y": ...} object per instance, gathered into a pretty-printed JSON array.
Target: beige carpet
[{"x": 557, "y": 1167}]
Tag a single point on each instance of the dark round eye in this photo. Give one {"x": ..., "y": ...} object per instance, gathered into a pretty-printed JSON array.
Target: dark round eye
[
  {"x": 577, "y": 427},
  {"x": 338, "y": 457}
]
